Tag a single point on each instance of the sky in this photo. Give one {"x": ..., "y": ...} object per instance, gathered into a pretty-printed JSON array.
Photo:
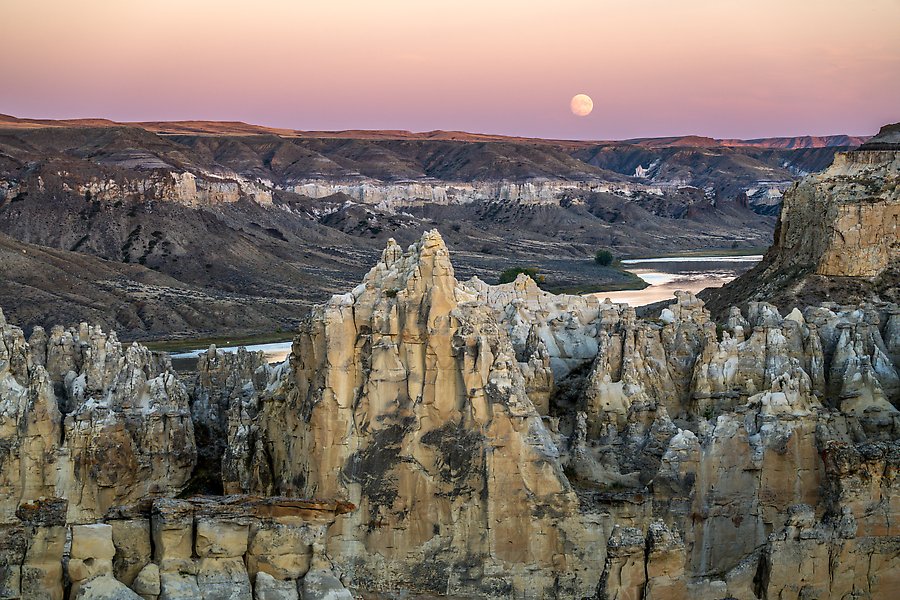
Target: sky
[{"x": 721, "y": 68}]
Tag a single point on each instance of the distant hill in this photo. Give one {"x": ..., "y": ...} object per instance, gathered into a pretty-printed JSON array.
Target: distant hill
[
  {"x": 232, "y": 128},
  {"x": 888, "y": 138},
  {"x": 47, "y": 286},
  {"x": 141, "y": 225}
]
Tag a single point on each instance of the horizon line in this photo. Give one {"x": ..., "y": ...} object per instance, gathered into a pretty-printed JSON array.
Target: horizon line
[{"x": 408, "y": 132}]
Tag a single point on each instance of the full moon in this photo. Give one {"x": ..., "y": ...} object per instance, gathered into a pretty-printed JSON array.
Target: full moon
[{"x": 582, "y": 105}]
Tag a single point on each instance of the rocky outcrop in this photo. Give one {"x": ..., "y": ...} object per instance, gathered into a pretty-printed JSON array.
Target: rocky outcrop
[
  {"x": 405, "y": 398},
  {"x": 838, "y": 237},
  {"x": 218, "y": 547},
  {"x": 76, "y": 399},
  {"x": 411, "y": 397},
  {"x": 91, "y": 432}
]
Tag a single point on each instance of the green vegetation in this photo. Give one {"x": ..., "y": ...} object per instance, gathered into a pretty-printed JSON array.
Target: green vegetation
[
  {"x": 509, "y": 275},
  {"x": 604, "y": 258}
]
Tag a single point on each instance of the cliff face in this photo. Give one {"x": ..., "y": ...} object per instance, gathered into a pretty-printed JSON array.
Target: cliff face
[
  {"x": 838, "y": 237},
  {"x": 844, "y": 222},
  {"x": 396, "y": 196},
  {"x": 182, "y": 187}
]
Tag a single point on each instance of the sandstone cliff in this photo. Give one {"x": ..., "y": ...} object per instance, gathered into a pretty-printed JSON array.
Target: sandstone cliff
[{"x": 838, "y": 236}]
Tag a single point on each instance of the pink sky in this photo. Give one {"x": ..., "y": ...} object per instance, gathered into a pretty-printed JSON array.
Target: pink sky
[{"x": 724, "y": 68}]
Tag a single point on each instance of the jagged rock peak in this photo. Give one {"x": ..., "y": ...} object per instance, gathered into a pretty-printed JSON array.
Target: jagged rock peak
[
  {"x": 425, "y": 264},
  {"x": 405, "y": 398}
]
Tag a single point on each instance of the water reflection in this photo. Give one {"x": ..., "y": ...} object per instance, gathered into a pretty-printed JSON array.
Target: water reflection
[
  {"x": 670, "y": 274},
  {"x": 275, "y": 353}
]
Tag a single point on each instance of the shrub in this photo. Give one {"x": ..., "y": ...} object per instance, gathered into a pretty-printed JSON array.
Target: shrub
[
  {"x": 603, "y": 258},
  {"x": 509, "y": 275}
]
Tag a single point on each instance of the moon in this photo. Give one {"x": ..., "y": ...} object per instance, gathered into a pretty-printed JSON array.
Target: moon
[{"x": 581, "y": 105}]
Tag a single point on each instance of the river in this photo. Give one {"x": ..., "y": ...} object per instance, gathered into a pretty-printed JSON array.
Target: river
[
  {"x": 687, "y": 273},
  {"x": 275, "y": 352},
  {"x": 665, "y": 276}
]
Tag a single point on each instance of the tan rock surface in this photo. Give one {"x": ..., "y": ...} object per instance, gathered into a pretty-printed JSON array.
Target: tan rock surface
[
  {"x": 838, "y": 237},
  {"x": 85, "y": 419},
  {"x": 408, "y": 401}
]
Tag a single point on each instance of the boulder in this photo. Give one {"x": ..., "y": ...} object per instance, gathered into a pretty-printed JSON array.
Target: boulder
[{"x": 323, "y": 585}]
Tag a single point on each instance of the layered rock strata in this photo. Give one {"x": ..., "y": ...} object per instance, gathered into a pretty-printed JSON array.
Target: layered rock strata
[
  {"x": 182, "y": 187},
  {"x": 225, "y": 547},
  {"x": 838, "y": 235},
  {"x": 392, "y": 195}
]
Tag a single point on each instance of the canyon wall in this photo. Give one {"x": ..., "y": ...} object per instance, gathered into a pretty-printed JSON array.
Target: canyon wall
[
  {"x": 844, "y": 221},
  {"x": 209, "y": 189},
  {"x": 182, "y": 187},
  {"x": 417, "y": 193},
  {"x": 838, "y": 235}
]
